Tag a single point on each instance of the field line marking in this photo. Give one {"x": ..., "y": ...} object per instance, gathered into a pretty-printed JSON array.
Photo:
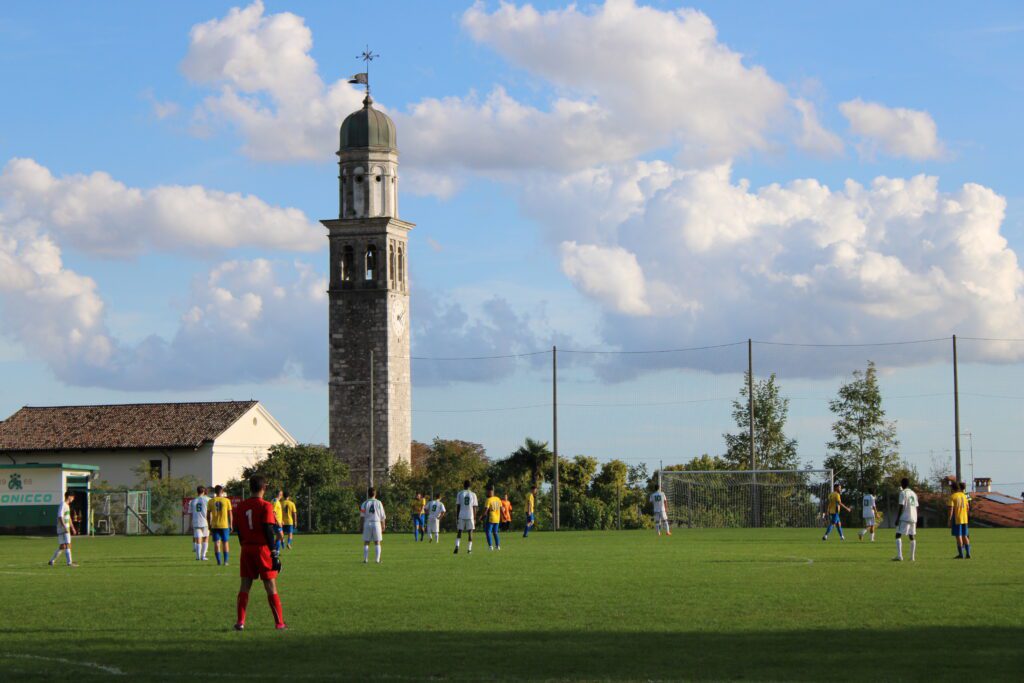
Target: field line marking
[
  {"x": 804, "y": 560},
  {"x": 112, "y": 670}
]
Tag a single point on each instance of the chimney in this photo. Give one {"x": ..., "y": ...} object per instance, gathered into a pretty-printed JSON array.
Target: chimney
[{"x": 982, "y": 485}]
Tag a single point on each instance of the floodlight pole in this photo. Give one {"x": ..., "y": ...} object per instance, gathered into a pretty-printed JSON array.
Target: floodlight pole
[
  {"x": 956, "y": 410},
  {"x": 554, "y": 434}
]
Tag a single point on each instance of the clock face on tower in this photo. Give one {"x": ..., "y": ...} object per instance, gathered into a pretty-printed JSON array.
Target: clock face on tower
[{"x": 398, "y": 317}]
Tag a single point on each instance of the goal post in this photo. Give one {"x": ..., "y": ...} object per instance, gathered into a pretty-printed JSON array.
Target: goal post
[{"x": 746, "y": 498}]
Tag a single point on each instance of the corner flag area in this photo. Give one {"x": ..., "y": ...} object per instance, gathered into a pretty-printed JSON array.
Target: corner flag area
[{"x": 702, "y": 604}]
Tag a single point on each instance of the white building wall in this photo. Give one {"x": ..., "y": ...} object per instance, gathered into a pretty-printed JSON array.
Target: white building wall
[
  {"x": 120, "y": 467},
  {"x": 245, "y": 442}
]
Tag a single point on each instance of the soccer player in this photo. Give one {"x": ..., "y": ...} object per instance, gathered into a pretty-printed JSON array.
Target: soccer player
[
  {"x": 868, "y": 508},
  {"x": 907, "y": 519},
  {"x": 279, "y": 516},
  {"x": 289, "y": 518},
  {"x": 659, "y": 504},
  {"x": 256, "y": 526},
  {"x": 374, "y": 520},
  {"x": 835, "y": 504},
  {"x": 531, "y": 502},
  {"x": 959, "y": 506},
  {"x": 436, "y": 512},
  {"x": 199, "y": 508},
  {"x": 465, "y": 509},
  {"x": 418, "y": 511},
  {"x": 65, "y": 527},
  {"x": 506, "y": 513},
  {"x": 492, "y": 508},
  {"x": 220, "y": 523}
]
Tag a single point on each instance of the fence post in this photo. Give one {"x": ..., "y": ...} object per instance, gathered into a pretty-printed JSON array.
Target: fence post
[
  {"x": 956, "y": 410},
  {"x": 554, "y": 433}
]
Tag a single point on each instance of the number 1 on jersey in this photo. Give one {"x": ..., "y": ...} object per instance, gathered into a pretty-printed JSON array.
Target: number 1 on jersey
[{"x": 248, "y": 516}]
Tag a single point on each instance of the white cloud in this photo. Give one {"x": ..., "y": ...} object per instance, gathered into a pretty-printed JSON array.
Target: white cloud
[
  {"x": 103, "y": 216},
  {"x": 896, "y": 132},
  {"x": 267, "y": 84},
  {"x": 719, "y": 261},
  {"x": 609, "y": 274},
  {"x": 814, "y": 137}
]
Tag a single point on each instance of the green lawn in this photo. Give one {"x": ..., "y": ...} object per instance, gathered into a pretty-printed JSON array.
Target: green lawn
[{"x": 704, "y": 604}]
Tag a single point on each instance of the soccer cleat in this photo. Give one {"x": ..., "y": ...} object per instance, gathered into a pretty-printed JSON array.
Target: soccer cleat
[
  {"x": 959, "y": 557},
  {"x": 239, "y": 627},
  {"x": 73, "y": 564},
  {"x": 281, "y": 627},
  {"x": 824, "y": 538},
  {"x": 456, "y": 551},
  {"x": 50, "y": 563},
  {"x": 897, "y": 559},
  {"x": 499, "y": 547}
]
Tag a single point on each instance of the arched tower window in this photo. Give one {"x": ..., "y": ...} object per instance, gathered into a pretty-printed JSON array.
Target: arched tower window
[
  {"x": 371, "y": 262},
  {"x": 401, "y": 268},
  {"x": 391, "y": 266},
  {"x": 348, "y": 262}
]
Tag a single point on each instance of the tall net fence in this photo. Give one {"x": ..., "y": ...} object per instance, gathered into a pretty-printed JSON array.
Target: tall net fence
[{"x": 747, "y": 498}]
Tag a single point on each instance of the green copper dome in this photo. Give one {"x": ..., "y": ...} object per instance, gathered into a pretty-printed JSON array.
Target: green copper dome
[{"x": 368, "y": 128}]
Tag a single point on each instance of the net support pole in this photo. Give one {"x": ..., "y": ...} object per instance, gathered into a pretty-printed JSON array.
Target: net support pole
[
  {"x": 554, "y": 433},
  {"x": 956, "y": 410},
  {"x": 370, "y": 475},
  {"x": 755, "y": 505}
]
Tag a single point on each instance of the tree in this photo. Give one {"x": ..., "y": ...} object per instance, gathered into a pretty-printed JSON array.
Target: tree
[
  {"x": 533, "y": 458},
  {"x": 864, "y": 449},
  {"x": 772, "y": 449},
  {"x": 450, "y": 462}
]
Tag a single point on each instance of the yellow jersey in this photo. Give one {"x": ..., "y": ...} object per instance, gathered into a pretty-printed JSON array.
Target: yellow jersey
[
  {"x": 834, "y": 499},
  {"x": 219, "y": 509},
  {"x": 419, "y": 506},
  {"x": 278, "y": 514},
  {"x": 291, "y": 515},
  {"x": 960, "y": 505},
  {"x": 529, "y": 504},
  {"x": 493, "y": 507}
]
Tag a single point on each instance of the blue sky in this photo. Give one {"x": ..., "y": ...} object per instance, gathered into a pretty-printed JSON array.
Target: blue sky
[{"x": 597, "y": 177}]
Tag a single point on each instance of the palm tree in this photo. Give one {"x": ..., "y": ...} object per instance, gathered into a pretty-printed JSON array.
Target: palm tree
[{"x": 533, "y": 457}]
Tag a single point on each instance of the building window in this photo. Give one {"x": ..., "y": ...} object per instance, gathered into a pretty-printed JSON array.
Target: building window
[
  {"x": 348, "y": 258},
  {"x": 401, "y": 267},
  {"x": 371, "y": 262},
  {"x": 156, "y": 469},
  {"x": 391, "y": 265}
]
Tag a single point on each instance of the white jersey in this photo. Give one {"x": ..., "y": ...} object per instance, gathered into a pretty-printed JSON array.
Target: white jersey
[
  {"x": 466, "y": 502},
  {"x": 199, "y": 507},
  {"x": 372, "y": 511},
  {"x": 658, "y": 502},
  {"x": 908, "y": 499},
  {"x": 435, "y": 509},
  {"x": 868, "y": 506},
  {"x": 64, "y": 518}
]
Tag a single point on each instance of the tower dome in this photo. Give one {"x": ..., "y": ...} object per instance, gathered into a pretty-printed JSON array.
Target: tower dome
[{"x": 368, "y": 128}]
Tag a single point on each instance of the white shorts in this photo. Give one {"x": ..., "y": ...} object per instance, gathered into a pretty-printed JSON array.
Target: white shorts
[
  {"x": 372, "y": 533},
  {"x": 466, "y": 524},
  {"x": 907, "y": 529},
  {"x": 201, "y": 532},
  {"x": 869, "y": 521},
  {"x": 433, "y": 525},
  {"x": 660, "y": 517},
  {"x": 63, "y": 538}
]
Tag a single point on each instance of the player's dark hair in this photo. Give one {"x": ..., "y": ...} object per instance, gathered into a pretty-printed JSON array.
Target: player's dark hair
[
  {"x": 437, "y": 495},
  {"x": 286, "y": 494},
  {"x": 257, "y": 484},
  {"x": 217, "y": 489},
  {"x": 836, "y": 486},
  {"x": 905, "y": 483},
  {"x": 490, "y": 489},
  {"x": 371, "y": 492},
  {"x": 871, "y": 490},
  {"x": 963, "y": 486},
  {"x": 200, "y": 490},
  {"x": 69, "y": 494},
  {"x": 465, "y": 484}
]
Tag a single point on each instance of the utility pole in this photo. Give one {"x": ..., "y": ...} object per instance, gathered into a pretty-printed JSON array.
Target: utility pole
[
  {"x": 956, "y": 410},
  {"x": 554, "y": 432},
  {"x": 754, "y": 499},
  {"x": 371, "y": 419}
]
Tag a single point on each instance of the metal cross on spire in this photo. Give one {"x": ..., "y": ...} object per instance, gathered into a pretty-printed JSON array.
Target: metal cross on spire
[{"x": 364, "y": 78}]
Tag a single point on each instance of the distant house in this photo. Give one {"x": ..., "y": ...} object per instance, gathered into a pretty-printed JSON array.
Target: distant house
[
  {"x": 988, "y": 508},
  {"x": 211, "y": 441}
]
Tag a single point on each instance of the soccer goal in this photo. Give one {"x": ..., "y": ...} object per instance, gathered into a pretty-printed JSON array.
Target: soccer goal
[{"x": 746, "y": 498}]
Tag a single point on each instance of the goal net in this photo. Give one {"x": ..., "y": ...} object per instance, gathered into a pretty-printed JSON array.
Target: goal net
[{"x": 746, "y": 498}]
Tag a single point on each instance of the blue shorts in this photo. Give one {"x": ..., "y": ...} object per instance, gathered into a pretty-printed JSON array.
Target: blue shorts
[
  {"x": 221, "y": 534},
  {"x": 421, "y": 520},
  {"x": 835, "y": 518},
  {"x": 529, "y": 518},
  {"x": 288, "y": 528},
  {"x": 959, "y": 530}
]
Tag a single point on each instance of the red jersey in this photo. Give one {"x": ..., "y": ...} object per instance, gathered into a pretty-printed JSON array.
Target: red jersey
[{"x": 250, "y": 517}]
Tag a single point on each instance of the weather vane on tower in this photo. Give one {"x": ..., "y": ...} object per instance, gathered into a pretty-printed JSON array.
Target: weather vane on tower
[{"x": 364, "y": 78}]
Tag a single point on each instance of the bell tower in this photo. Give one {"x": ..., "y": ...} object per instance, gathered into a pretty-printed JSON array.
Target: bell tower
[{"x": 369, "y": 390}]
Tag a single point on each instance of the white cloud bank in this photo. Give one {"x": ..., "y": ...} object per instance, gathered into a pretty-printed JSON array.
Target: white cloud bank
[{"x": 896, "y": 132}]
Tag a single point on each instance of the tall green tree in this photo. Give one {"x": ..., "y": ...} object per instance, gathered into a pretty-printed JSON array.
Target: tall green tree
[
  {"x": 451, "y": 461},
  {"x": 772, "y": 448},
  {"x": 864, "y": 450}
]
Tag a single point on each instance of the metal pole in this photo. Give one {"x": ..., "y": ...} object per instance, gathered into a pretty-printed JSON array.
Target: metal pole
[
  {"x": 750, "y": 399},
  {"x": 309, "y": 511},
  {"x": 956, "y": 409},
  {"x": 371, "y": 419},
  {"x": 554, "y": 433},
  {"x": 970, "y": 435},
  {"x": 618, "y": 508}
]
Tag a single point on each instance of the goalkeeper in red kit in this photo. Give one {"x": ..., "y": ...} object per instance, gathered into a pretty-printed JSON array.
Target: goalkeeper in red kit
[{"x": 256, "y": 526}]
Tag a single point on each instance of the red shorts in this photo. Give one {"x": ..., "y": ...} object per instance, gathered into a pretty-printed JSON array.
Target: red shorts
[{"x": 256, "y": 563}]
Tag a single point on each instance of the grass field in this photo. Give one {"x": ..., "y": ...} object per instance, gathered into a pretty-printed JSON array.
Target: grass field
[{"x": 705, "y": 604}]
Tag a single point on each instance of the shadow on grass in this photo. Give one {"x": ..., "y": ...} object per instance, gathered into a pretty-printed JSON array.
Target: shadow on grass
[{"x": 843, "y": 654}]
